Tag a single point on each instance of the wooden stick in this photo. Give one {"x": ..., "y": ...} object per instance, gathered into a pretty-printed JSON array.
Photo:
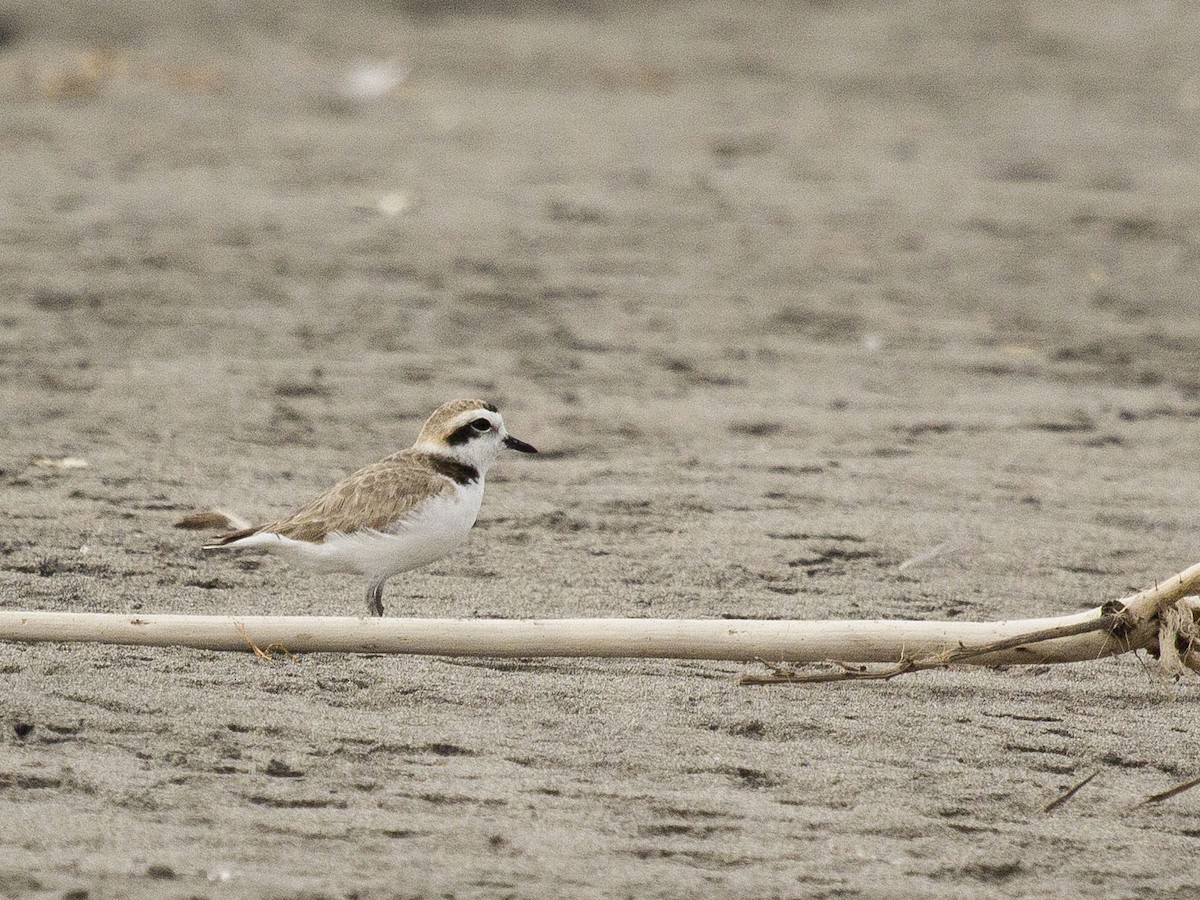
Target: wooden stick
[
  {"x": 1110, "y": 622},
  {"x": 1166, "y": 606},
  {"x": 1171, "y": 792},
  {"x": 1069, "y": 793},
  {"x": 732, "y": 639},
  {"x": 1107, "y": 630}
]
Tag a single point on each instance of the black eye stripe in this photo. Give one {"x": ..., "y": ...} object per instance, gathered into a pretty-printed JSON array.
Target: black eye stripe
[{"x": 464, "y": 433}]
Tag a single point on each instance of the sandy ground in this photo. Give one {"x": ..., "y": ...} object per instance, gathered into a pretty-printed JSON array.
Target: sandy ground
[{"x": 790, "y": 293}]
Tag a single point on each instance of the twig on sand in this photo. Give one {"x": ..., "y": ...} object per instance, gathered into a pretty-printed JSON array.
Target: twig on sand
[
  {"x": 263, "y": 653},
  {"x": 1068, "y": 793},
  {"x": 1172, "y": 792},
  {"x": 845, "y": 671}
]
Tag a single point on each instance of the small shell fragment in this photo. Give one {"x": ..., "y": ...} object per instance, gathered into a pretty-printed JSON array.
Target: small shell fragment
[{"x": 61, "y": 462}]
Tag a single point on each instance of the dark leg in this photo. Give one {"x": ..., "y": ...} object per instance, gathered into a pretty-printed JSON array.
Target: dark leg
[{"x": 375, "y": 598}]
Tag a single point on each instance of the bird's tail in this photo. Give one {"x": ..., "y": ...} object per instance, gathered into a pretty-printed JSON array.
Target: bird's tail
[{"x": 222, "y": 540}]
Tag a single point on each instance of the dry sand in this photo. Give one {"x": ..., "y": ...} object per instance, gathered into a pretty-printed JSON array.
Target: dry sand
[{"x": 791, "y": 293}]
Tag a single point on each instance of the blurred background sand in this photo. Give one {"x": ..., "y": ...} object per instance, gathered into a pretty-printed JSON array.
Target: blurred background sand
[{"x": 789, "y": 295}]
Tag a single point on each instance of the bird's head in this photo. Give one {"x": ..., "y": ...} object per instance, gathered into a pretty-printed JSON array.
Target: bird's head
[{"x": 471, "y": 432}]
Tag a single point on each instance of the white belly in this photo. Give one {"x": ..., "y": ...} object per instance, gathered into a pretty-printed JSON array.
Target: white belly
[{"x": 430, "y": 532}]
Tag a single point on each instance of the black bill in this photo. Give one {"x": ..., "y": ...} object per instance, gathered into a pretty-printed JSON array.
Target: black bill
[{"x": 520, "y": 446}]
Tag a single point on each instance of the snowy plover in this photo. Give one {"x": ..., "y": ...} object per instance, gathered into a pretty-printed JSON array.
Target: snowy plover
[{"x": 402, "y": 512}]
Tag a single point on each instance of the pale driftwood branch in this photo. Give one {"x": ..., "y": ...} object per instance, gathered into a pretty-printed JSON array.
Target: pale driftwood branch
[
  {"x": 722, "y": 639},
  {"x": 1125, "y": 625},
  {"x": 1109, "y": 622},
  {"x": 1136, "y": 623}
]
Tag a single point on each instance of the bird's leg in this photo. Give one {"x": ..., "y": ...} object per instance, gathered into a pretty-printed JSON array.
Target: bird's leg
[{"x": 375, "y": 598}]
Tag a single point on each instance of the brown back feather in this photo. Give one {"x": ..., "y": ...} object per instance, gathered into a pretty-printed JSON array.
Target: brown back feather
[{"x": 373, "y": 497}]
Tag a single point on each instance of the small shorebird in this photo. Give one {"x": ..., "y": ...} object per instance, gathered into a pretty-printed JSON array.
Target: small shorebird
[{"x": 405, "y": 511}]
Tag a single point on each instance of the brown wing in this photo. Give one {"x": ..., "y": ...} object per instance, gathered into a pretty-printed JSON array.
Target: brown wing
[{"x": 372, "y": 497}]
